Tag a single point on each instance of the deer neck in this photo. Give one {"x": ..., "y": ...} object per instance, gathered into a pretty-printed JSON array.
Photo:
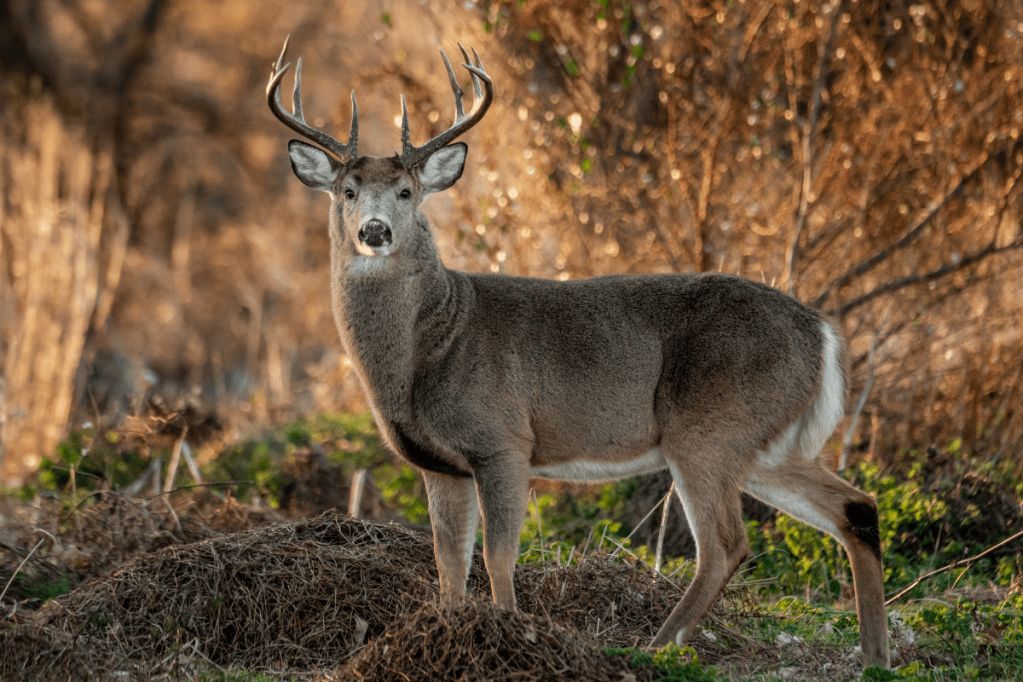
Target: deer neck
[{"x": 393, "y": 318}]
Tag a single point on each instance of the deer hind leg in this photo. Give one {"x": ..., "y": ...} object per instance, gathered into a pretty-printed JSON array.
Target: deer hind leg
[
  {"x": 810, "y": 493},
  {"x": 710, "y": 498},
  {"x": 454, "y": 515}
]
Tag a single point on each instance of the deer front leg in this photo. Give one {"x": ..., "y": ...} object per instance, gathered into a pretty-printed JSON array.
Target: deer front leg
[
  {"x": 454, "y": 515},
  {"x": 503, "y": 489}
]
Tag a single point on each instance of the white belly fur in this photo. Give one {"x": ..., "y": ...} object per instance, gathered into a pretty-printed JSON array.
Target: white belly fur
[{"x": 582, "y": 470}]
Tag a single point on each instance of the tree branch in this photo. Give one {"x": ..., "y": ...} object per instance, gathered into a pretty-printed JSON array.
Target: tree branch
[
  {"x": 869, "y": 264},
  {"x": 903, "y": 282}
]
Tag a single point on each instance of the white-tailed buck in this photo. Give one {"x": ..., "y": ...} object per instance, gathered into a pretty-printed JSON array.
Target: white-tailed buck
[{"x": 484, "y": 381}]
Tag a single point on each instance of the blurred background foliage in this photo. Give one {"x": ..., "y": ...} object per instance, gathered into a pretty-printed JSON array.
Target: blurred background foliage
[{"x": 157, "y": 254}]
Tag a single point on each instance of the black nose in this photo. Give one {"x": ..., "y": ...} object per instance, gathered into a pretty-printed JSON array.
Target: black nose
[{"x": 374, "y": 233}]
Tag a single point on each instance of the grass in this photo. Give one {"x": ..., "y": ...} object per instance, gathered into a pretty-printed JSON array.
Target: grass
[
  {"x": 673, "y": 663},
  {"x": 956, "y": 642}
]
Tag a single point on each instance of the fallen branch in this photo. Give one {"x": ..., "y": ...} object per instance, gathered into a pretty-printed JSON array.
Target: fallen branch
[{"x": 956, "y": 564}]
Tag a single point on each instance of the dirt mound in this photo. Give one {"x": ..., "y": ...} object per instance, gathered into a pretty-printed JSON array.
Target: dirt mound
[
  {"x": 621, "y": 604},
  {"x": 290, "y": 596},
  {"x": 477, "y": 641}
]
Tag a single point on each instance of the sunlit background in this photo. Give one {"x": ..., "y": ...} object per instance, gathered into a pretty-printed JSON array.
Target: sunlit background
[{"x": 156, "y": 250}]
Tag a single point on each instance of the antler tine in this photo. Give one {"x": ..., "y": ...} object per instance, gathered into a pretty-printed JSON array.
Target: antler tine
[
  {"x": 406, "y": 137},
  {"x": 483, "y": 88},
  {"x": 284, "y": 50},
  {"x": 296, "y": 93},
  {"x": 479, "y": 65},
  {"x": 455, "y": 87},
  {"x": 296, "y": 119}
]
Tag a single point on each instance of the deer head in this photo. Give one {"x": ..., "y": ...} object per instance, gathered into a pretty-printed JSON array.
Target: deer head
[{"x": 375, "y": 201}]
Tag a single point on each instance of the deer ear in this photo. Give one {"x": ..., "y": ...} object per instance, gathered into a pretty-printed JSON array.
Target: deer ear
[
  {"x": 313, "y": 166},
  {"x": 443, "y": 168}
]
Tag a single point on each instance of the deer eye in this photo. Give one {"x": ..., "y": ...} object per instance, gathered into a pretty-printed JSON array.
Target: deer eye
[
  {"x": 349, "y": 194},
  {"x": 405, "y": 193}
]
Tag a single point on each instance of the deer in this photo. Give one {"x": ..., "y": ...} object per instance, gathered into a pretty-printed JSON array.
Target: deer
[{"x": 485, "y": 381}]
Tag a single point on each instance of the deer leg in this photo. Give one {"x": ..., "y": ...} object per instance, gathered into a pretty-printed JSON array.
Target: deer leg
[
  {"x": 454, "y": 515},
  {"x": 503, "y": 489},
  {"x": 714, "y": 511},
  {"x": 821, "y": 499}
]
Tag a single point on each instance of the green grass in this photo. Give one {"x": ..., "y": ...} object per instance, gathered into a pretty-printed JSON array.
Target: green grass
[
  {"x": 674, "y": 664},
  {"x": 32, "y": 587},
  {"x": 232, "y": 676}
]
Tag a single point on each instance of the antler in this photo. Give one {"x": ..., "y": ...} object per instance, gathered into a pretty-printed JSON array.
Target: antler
[
  {"x": 296, "y": 120},
  {"x": 413, "y": 156}
]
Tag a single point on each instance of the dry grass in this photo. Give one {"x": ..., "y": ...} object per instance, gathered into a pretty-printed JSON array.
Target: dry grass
[
  {"x": 52, "y": 216},
  {"x": 477, "y": 641},
  {"x": 34, "y": 652}
]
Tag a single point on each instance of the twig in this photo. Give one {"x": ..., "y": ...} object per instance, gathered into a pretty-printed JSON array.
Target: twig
[
  {"x": 18, "y": 569},
  {"x": 172, "y": 468},
  {"x": 385, "y": 503},
  {"x": 198, "y": 485},
  {"x": 177, "y": 521},
  {"x": 643, "y": 520},
  {"x": 539, "y": 525},
  {"x": 628, "y": 551},
  {"x": 186, "y": 452},
  {"x": 156, "y": 466},
  {"x": 140, "y": 483},
  {"x": 356, "y": 491},
  {"x": 809, "y": 133},
  {"x": 953, "y": 565},
  {"x": 586, "y": 545},
  {"x": 664, "y": 523},
  {"x": 61, "y": 519}
]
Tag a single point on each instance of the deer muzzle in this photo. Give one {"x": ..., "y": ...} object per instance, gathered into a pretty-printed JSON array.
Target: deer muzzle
[{"x": 375, "y": 234}]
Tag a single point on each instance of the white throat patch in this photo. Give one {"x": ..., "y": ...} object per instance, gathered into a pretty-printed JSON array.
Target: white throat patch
[{"x": 371, "y": 263}]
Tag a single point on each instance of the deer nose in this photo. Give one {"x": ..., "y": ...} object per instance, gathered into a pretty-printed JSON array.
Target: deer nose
[{"x": 375, "y": 233}]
